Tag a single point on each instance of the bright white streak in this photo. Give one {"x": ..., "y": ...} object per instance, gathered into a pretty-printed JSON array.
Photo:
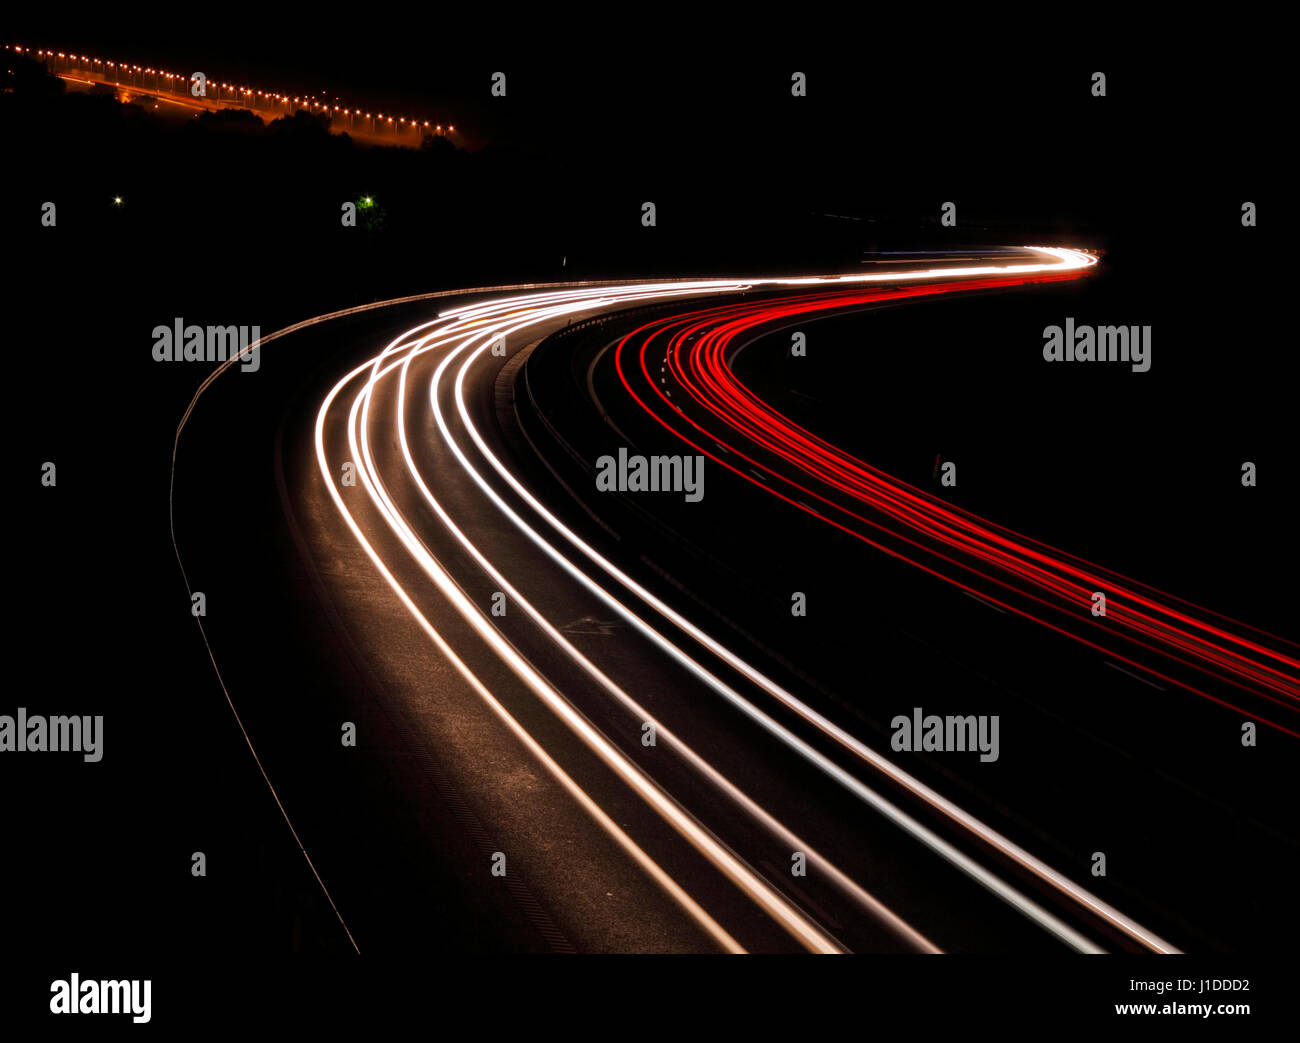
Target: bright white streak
[
  {"x": 652, "y": 869},
  {"x": 772, "y": 901},
  {"x": 791, "y": 840},
  {"x": 825, "y": 764},
  {"x": 1069, "y": 259}
]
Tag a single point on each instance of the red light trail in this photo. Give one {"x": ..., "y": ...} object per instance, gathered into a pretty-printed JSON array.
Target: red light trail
[{"x": 1029, "y": 578}]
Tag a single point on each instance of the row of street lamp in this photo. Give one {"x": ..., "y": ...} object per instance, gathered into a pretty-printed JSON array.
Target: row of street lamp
[{"x": 229, "y": 93}]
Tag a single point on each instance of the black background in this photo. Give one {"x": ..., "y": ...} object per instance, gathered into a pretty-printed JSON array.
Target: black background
[{"x": 599, "y": 117}]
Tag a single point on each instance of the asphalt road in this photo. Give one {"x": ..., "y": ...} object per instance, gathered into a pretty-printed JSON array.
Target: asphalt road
[{"x": 524, "y": 734}]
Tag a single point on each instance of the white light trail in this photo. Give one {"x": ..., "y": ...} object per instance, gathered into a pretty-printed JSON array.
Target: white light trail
[
  {"x": 788, "y": 838},
  {"x": 489, "y": 323},
  {"x": 1069, "y": 259}
]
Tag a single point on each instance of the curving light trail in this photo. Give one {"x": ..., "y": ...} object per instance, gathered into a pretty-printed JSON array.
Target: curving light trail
[
  {"x": 466, "y": 334},
  {"x": 791, "y": 840},
  {"x": 923, "y": 529},
  {"x": 785, "y": 913}
]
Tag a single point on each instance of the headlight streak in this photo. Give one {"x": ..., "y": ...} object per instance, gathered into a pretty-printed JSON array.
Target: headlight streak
[
  {"x": 758, "y": 890},
  {"x": 950, "y": 853},
  {"x": 474, "y": 314},
  {"x": 652, "y": 869},
  {"x": 199, "y": 392},
  {"x": 640, "y": 713},
  {"x": 1071, "y": 260},
  {"x": 727, "y": 861}
]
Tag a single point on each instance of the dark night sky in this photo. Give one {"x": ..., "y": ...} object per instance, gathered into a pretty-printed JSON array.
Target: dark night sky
[{"x": 717, "y": 92}]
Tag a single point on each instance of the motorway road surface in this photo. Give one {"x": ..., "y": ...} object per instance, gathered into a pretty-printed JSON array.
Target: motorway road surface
[{"x": 649, "y": 786}]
